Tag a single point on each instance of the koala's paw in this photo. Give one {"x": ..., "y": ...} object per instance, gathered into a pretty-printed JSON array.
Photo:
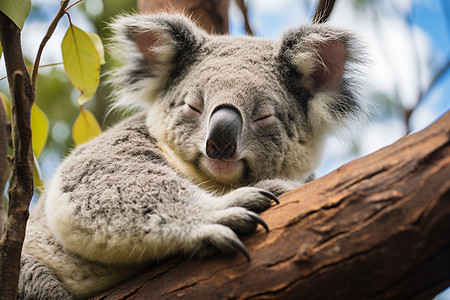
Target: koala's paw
[
  {"x": 251, "y": 198},
  {"x": 238, "y": 219},
  {"x": 234, "y": 215},
  {"x": 219, "y": 238}
]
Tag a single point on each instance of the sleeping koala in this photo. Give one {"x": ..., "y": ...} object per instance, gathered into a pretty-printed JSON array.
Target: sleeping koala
[{"x": 228, "y": 124}]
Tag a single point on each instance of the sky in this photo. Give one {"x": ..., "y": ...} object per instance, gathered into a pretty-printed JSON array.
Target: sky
[{"x": 401, "y": 61}]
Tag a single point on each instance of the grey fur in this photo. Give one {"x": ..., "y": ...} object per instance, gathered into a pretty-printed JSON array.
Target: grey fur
[{"x": 145, "y": 189}]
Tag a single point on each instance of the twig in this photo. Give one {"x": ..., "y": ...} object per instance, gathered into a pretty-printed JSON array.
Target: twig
[
  {"x": 50, "y": 30},
  {"x": 323, "y": 11},
  {"x": 73, "y": 4},
  {"x": 243, "y": 8}
]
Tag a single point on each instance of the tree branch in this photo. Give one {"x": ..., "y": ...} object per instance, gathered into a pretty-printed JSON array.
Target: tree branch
[
  {"x": 243, "y": 8},
  {"x": 21, "y": 183},
  {"x": 50, "y": 30},
  {"x": 376, "y": 228},
  {"x": 323, "y": 11},
  {"x": 422, "y": 95},
  {"x": 212, "y": 15}
]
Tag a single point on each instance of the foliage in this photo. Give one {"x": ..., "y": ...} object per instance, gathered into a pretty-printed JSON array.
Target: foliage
[
  {"x": 83, "y": 55},
  {"x": 85, "y": 127},
  {"x": 16, "y": 10}
]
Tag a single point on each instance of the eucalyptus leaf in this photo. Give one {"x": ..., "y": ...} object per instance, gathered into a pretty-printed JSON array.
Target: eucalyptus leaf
[
  {"x": 81, "y": 62},
  {"x": 98, "y": 46},
  {"x": 39, "y": 127},
  {"x": 16, "y": 10},
  {"x": 85, "y": 127}
]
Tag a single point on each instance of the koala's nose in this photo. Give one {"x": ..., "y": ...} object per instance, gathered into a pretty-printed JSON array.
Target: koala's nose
[{"x": 223, "y": 132}]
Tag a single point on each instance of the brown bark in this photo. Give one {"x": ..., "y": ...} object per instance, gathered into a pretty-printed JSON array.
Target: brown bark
[
  {"x": 21, "y": 183},
  {"x": 323, "y": 11},
  {"x": 376, "y": 228},
  {"x": 212, "y": 15}
]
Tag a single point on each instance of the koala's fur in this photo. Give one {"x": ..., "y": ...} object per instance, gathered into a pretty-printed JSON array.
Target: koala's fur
[{"x": 146, "y": 189}]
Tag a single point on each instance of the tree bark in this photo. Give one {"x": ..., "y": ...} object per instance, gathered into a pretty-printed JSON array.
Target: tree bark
[
  {"x": 376, "y": 228},
  {"x": 21, "y": 183},
  {"x": 212, "y": 15},
  {"x": 323, "y": 11}
]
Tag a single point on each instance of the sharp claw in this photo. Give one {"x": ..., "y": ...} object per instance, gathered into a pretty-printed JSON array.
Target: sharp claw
[
  {"x": 258, "y": 219},
  {"x": 270, "y": 196},
  {"x": 238, "y": 244}
]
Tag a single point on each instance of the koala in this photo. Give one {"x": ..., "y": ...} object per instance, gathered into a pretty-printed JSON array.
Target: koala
[{"x": 226, "y": 125}]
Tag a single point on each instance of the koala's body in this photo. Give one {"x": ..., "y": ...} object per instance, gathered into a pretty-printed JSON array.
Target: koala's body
[{"x": 228, "y": 124}]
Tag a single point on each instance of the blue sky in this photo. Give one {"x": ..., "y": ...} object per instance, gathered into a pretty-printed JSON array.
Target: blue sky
[{"x": 403, "y": 61}]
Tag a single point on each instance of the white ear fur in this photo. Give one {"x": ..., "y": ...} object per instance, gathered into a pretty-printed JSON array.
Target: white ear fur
[
  {"x": 147, "y": 46},
  {"x": 327, "y": 60},
  {"x": 321, "y": 60}
]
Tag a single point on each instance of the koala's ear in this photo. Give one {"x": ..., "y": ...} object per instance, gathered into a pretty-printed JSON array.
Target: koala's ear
[
  {"x": 155, "y": 50},
  {"x": 320, "y": 68}
]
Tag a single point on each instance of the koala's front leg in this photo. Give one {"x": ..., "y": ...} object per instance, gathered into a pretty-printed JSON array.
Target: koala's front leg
[
  {"x": 117, "y": 213},
  {"x": 37, "y": 281},
  {"x": 279, "y": 186}
]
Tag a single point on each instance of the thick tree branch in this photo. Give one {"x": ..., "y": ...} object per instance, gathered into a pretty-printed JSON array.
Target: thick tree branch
[
  {"x": 212, "y": 15},
  {"x": 21, "y": 183},
  {"x": 376, "y": 228}
]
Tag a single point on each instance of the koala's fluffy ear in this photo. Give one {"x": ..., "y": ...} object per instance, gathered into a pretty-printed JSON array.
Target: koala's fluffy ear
[
  {"x": 155, "y": 50},
  {"x": 320, "y": 66}
]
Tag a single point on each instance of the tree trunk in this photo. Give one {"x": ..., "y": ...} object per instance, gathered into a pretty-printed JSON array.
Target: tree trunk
[
  {"x": 376, "y": 228},
  {"x": 212, "y": 15}
]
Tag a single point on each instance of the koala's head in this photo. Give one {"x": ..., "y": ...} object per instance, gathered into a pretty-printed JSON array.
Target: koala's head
[{"x": 231, "y": 111}]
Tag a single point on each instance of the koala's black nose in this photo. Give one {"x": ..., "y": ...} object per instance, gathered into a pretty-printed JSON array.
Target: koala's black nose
[{"x": 223, "y": 131}]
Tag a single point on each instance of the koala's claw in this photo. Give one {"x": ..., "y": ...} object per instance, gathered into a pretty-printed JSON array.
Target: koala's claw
[
  {"x": 270, "y": 196},
  {"x": 258, "y": 219},
  {"x": 240, "y": 246}
]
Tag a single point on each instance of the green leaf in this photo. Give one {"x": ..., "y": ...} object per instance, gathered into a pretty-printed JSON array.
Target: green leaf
[
  {"x": 98, "y": 46},
  {"x": 6, "y": 105},
  {"x": 81, "y": 62},
  {"x": 39, "y": 127},
  {"x": 16, "y": 10},
  {"x": 85, "y": 127}
]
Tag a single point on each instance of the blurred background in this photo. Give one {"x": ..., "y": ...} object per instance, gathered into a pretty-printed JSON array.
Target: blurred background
[{"x": 407, "y": 78}]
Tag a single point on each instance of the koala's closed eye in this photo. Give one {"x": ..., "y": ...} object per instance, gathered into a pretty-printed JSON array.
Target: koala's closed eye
[
  {"x": 264, "y": 119},
  {"x": 192, "y": 109}
]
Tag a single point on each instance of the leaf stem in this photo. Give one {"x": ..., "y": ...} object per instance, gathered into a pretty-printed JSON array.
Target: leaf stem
[
  {"x": 75, "y": 3},
  {"x": 50, "y": 30}
]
